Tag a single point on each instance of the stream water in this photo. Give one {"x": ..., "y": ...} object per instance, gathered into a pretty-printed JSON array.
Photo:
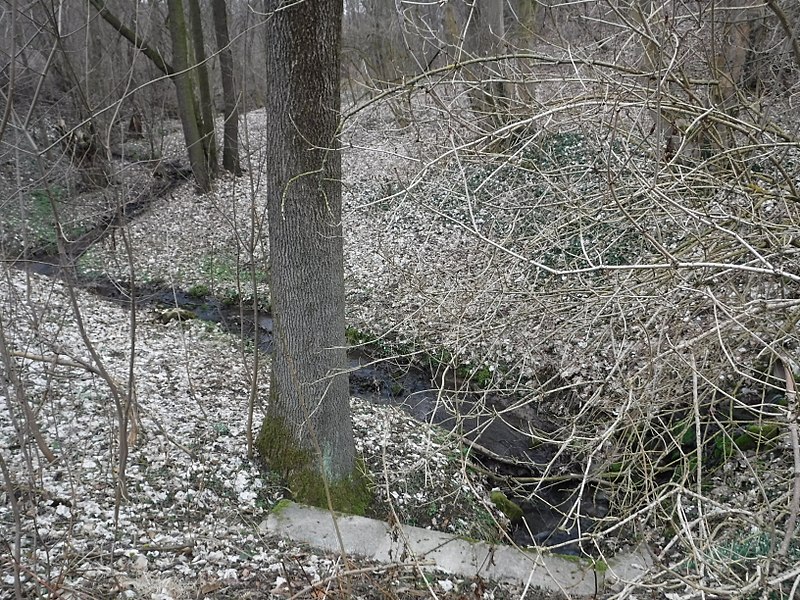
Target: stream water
[
  {"x": 483, "y": 421},
  {"x": 496, "y": 435}
]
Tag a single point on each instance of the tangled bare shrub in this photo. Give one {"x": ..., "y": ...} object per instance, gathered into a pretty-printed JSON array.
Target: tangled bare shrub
[{"x": 622, "y": 255}]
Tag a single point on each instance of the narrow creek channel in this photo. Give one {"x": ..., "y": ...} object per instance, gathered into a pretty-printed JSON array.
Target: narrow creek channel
[{"x": 494, "y": 434}]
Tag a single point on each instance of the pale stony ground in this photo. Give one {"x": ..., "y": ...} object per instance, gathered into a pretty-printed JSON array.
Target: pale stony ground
[
  {"x": 423, "y": 278},
  {"x": 189, "y": 525}
]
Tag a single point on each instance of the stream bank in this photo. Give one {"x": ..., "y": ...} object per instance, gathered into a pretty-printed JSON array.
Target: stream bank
[
  {"x": 491, "y": 432},
  {"x": 493, "y": 436}
]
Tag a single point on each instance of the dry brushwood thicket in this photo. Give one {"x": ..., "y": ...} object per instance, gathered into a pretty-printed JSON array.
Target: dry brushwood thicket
[{"x": 580, "y": 222}]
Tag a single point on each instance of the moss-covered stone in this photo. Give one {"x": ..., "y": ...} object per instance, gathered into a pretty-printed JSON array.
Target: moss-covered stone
[
  {"x": 600, "y": 565},
  {"x": 303, "y": 474},
  {"x": 506, "y": 506},
  {"x": 199, "y": 290},
  {"x": 176, "y": 314},
  {"x": 281, "y": 506}
]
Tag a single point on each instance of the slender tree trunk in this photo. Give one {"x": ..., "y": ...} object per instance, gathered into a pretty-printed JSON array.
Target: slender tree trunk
[
  {"x": 230, "y": 140},
  {"x": 484, "y": 37},
  {"x": 206, "y": 112},
  {"x": 665, "y": 138},
  {"x": 307, "y": 433},
  {"x": 183, "y": 90},
  {"x": 197, "y": 132},
  {"x": 450, "y": 31}
]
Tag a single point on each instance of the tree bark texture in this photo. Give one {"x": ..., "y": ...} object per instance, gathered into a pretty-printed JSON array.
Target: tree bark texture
[
  {"x": 206, "y": 112},
  {"x": 307, "y": 433},
  {"x": 185, "y": 95},
  {"x": 230, "y": 109}
]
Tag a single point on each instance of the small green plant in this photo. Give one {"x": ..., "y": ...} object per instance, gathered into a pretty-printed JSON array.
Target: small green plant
[
  {"x": 231, "y": 298},
  {"x": 438, "y": 360},
  {"x": 218, "y": 270},
  {"x": 557, "y": 150},
  {"x": 357, "y": 337},
  {"x": 199, "y": 290},
  {"x": 221, "y": 429},
  {"x": 483, "y": 377},
  {"x": 224, "y": 272},
  {"x": 39, "y": 217},
  {"x": 90, "y": 265},
  {"x": 41, "y": 199},
  {"x": 745, "y": 552}
]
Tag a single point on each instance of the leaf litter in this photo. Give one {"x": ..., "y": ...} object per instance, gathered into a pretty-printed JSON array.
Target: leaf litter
[{"x": 188, "y": 527}]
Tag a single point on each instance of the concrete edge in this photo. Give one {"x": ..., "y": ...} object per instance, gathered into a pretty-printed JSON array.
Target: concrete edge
[{"x": 378, "y": 541}]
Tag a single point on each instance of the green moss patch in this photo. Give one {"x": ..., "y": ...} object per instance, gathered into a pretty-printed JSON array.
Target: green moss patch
[
  {"x": 507, "y": 507},
  {"x": 303, "y": 476},
  {"x": 352, "y": 495}
]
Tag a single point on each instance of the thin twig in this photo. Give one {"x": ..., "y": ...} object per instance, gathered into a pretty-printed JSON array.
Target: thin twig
[{"x": 792, "y": 418}]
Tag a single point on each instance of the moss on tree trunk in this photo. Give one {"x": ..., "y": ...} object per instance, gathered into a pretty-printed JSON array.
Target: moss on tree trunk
[
  {"x": 296, "y": 464},
  {"x": 185, "y": 95}
]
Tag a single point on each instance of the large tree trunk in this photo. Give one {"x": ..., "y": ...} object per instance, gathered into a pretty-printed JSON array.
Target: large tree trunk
[
  {"x": 183, "y": 90},
  {"x": 307, "y": 434},
  {"x": 206, "y": 122},
  {"x": 230, "y": 140}
]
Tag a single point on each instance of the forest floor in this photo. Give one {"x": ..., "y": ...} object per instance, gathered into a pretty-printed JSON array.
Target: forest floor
[
  {"x": 186, "y": 523},
  {"x": 437, "y": 263}
]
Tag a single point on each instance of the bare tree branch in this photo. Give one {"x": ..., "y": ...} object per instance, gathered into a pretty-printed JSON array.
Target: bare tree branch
[{"x": 152, "y": 53}]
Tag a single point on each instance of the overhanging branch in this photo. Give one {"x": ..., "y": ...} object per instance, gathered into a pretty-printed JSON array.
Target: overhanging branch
[{"x": 152, "y": 53}]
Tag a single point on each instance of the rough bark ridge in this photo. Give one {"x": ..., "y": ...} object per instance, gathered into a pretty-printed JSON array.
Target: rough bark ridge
[{"x": 307, "y": 432}]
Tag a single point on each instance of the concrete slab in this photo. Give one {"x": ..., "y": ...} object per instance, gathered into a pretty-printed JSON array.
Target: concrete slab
[{"x": 381, "y": 542}]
